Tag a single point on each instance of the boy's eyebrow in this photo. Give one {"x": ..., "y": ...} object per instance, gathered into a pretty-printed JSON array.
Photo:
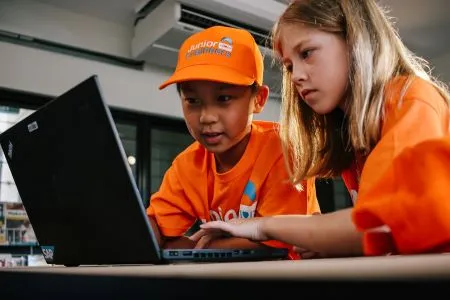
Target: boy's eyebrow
[
  {"x": 226, "y": 86},
  {"x": 186, "y": 88}
]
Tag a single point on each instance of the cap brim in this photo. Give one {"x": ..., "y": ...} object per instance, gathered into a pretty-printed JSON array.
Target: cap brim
[{"x": 208, "y": 72}]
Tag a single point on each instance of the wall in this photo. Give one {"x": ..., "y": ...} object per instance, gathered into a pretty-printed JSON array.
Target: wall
[
  {"x": 441, "y": 67},
  {"x": 49, "y": 73},
  {"x": 51, "y": 23}
]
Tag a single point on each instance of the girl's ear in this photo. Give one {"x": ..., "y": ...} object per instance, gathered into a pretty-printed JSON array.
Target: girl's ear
[{"x": 260, "y": 98}]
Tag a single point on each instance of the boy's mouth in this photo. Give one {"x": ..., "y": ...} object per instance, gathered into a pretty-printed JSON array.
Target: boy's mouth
[{"x": 212, "y": 137}]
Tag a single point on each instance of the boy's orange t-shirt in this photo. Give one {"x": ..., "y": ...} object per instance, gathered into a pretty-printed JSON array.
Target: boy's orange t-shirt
[
  {"x": 395, "y": 212},
  {"x": 257, "y": 186}
]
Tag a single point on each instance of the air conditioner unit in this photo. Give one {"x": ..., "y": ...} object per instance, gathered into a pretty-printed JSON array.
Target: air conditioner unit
[{"x": 159, "y": 33}]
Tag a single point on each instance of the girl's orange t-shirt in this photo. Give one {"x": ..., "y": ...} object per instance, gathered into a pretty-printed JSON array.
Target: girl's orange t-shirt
[{"x": 401, "y": 205}]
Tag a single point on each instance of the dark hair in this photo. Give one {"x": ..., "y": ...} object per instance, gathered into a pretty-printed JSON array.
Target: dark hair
[{"x": 179, "y": 88}]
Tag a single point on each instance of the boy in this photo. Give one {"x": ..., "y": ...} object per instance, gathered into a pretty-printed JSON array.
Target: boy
[{"x": 235, "y": 169}]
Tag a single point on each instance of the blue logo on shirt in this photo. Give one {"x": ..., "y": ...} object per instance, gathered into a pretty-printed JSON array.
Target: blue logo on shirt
[{"x": 250, "y": 191}]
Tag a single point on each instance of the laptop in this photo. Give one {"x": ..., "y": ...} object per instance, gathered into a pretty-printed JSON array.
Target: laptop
[{"x": 78, "y": 190}]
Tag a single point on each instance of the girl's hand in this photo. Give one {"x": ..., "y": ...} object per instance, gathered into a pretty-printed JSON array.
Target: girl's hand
[{"x": 305, "y": 253}]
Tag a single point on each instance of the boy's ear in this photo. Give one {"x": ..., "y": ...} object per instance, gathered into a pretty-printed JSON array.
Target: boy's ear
[{"x": 261, "y": 98}]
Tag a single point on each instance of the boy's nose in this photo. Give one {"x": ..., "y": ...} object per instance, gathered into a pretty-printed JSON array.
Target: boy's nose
[{"x": 208, "y": 115}]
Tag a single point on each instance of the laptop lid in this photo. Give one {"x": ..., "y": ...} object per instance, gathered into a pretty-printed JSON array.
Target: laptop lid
[{"x": 77, "y": 188}]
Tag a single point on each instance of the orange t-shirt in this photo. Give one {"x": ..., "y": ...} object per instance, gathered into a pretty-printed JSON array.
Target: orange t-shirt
[
  {"x": 392, "y": 222},
  {"x": 257, "y": 186}
]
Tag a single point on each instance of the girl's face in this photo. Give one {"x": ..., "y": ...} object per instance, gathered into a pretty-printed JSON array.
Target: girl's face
[{"x": 318, "y": 63}]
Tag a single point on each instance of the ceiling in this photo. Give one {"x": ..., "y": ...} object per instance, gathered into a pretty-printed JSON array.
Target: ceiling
[{"x": 422, "y": 24}]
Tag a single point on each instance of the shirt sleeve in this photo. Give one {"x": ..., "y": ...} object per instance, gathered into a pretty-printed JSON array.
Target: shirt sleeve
[
  {"x": 405, "y": 126},
  {"x": 412, "y": 200},
  {"x": 170, "y": 206}
]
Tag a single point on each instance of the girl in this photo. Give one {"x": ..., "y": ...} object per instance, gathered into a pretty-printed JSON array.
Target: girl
[{"x": 353, "y": 96}]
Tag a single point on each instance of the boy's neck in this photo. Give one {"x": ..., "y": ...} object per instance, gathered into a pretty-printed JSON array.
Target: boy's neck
[{"x": 226, "y": 161}]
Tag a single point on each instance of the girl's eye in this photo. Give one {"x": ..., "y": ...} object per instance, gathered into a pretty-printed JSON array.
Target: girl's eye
[
  {"x": 305, "y": 54},
  {"x": 288, "y": 68}
]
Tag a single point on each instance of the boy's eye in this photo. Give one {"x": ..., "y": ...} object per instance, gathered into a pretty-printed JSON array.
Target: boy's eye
[
  {"x": 192, "y": 101},
  {"x": 224, "y": 98}
]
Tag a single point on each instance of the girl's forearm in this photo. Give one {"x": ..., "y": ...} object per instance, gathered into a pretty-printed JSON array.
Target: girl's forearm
[{"x": 331, "y": 234}]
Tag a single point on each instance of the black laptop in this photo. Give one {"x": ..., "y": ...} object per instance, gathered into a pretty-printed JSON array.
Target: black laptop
[{"x": 78, "y": 190}]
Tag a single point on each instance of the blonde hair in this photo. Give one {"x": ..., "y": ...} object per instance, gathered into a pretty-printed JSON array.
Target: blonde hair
[{"x": 324, "y": 145}]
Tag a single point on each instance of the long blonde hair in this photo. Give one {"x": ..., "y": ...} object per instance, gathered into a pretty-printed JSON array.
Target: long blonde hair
[{"x": 325, "y": 145}]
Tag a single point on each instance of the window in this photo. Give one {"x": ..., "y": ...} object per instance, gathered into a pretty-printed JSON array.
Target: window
[
  {"x": 128, "y": 136},
  {"x": 332, "y": 194},
  {"x": 9, "y": 115},
  {"x": 165, "y": 145},
  {"x": 13, "y": 219},
  {"x": 342, "y": 198}
]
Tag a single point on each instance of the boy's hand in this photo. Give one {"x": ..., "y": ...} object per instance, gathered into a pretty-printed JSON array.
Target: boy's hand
[
  {"x": 251, "y": 229},
  {"x": 223, "y": 241},
  {"x": 204, "y": 239}
]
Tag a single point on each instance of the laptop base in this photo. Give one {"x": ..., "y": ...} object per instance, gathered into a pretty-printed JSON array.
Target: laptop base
[{"x": 223, "y": 255}]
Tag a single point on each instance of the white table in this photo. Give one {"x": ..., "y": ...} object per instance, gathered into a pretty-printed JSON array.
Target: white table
[{"x": 412, "y": 275}]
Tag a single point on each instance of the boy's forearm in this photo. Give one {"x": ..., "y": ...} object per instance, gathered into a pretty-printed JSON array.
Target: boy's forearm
[
  {"x": 155, "y": 229},
  {"x": 234, "y": 243},
  {"x": 330, "y": 234},
  {"x": 181, "y": 242}
]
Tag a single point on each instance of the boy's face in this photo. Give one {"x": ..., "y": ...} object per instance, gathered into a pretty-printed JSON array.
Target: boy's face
[{"x": 218, "y": 115}]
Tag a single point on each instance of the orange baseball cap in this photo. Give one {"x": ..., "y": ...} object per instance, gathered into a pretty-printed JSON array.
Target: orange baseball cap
[{"x": 221, "y": 54}]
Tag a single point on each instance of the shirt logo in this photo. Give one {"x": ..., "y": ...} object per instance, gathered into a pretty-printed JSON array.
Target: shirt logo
[
  {"x": 250, "y": 191},
  {"x": 247, "y": 209}
]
